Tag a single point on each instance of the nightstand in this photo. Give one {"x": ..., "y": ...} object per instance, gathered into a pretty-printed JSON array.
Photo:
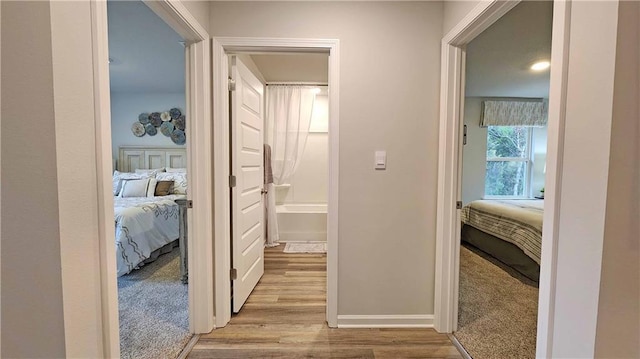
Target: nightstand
[{"x": 182, "y": 240}]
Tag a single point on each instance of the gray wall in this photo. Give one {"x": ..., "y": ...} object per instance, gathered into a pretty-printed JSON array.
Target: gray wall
[
  {"x": 125, "y": 108},
  {"x": 584, "y": 209},
  {"x": 49, "y": 184},
  {"x": 618, "y": 328},
  {"x": 200, "y": 11},
  {"x": 32, "y": 308},
  {"x": 387, "y": 224},
  {"x": 596, "y": 281},
  {"x": 387, "y": 218},
  {"x": 454, "y": 11}
]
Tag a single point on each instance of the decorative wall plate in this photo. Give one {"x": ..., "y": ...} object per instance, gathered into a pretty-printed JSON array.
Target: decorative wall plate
[
  {"x": 150, "y": 129},
  {"x": 143, "y": 118},
  {"x": 179, "y": 123},
  {"x": 178, "y": 137},
  {"x": 170, "y": 123},
  {"x": 175, "y": 113},
  {"x": 167, "y": 128},
  {"x": 155, "y": 119},
  {"x": 138, "y": 129}
]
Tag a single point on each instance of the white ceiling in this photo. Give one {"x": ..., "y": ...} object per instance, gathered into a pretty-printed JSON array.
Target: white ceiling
[
  {"x": 498, "y": 60},
  {"x": 146, "y": 53},
  {"x": 293, "y": 67}
]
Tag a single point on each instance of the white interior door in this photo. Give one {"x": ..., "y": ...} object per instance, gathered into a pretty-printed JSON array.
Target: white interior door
[{"x": 247, "y": 243}]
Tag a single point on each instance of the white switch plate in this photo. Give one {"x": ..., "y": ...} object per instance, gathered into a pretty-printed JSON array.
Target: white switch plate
[{"x": 380, "y": 160}]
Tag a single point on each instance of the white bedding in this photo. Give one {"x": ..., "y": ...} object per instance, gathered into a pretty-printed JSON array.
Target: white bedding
[{"x": 143, "y": 224}]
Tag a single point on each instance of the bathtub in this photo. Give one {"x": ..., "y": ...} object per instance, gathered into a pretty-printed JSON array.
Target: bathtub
[{"x": 302, "y": 222}]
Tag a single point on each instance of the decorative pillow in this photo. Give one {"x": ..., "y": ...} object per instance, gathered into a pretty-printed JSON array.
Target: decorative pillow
[
  {"x": 163, "y": 188},
  {"x": 151, "y": 190},
  {"x": 150, "y": 173},
  {"x": 118, "y": 177},
  {"x": 173, "y": 170},
  {"x": 179, "y": 181},
  {"x": 116, "y": 182},
  {"x": 138, "y": 187}
]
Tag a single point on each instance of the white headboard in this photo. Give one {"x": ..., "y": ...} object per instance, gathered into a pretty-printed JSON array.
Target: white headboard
[{"x": 131, "y": 158}]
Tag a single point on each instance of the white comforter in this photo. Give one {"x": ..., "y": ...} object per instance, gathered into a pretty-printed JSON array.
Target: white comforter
[{"x": 143, "y": 224}]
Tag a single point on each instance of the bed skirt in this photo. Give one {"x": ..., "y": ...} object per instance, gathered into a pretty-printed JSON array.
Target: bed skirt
[
  {"x": 160, "y": 251},
  {"x": 503, "y": 251}
]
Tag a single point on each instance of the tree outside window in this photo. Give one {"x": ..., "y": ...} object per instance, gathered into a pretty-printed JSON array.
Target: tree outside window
[{"x": 508, "y": 161}]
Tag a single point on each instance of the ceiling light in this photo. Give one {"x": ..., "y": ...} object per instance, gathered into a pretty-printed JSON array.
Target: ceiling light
[{"x": 540, "y": 66}]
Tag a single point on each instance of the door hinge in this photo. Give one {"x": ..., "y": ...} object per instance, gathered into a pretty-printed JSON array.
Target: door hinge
[
  {"x": 459, "y": 205},
  {"x": 232, "y": 181},
  {"x": 189, "y": 203},
  {"x": 464, "y": 135},
  {"x": 232, "y": 85},
  {"x": 233, "y": 274}
]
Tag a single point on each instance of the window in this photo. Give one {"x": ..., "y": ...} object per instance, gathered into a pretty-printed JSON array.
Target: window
[{"x": 508, "y": 161}]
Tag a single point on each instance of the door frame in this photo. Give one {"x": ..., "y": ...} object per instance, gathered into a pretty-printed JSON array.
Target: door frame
[
  {"x": 451, "y": 110},
  {"x": 222, "y": 219},
  {"x": 197, "y": 92}
]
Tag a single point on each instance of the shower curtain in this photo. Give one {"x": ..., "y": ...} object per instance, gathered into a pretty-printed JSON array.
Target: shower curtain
[{"x": 289, "y": 110}]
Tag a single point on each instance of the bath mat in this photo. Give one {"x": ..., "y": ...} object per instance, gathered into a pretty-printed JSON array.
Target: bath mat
[{"x": 305, "y": 247}]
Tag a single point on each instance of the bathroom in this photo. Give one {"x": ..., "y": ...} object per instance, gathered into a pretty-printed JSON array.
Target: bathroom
[
  {"x": 301, "y": 204},
  {"x": 300, "y": 186},
  {"x": 279, "y": 157}
]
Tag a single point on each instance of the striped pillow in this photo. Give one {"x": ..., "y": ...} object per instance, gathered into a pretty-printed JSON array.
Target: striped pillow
[
  {"x": 119, "y": 177},
  {"x": 138, "y": 188}
]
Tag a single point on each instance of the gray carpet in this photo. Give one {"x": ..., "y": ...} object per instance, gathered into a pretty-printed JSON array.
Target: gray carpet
[
  {"x": 498, "y": 309},
  {"x": 154, "y": 310}
]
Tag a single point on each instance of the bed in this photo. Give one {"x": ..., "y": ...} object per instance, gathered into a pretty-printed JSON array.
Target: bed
[
  {"x": 147, "y": 220},
  {"x": 144, "y": 225},
  {"x": 509, "y": 230}
]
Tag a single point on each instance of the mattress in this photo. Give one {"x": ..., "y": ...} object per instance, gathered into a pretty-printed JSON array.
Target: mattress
[
  {"x": 515, "y": 221},
  {"x": 142, "y": 225}
]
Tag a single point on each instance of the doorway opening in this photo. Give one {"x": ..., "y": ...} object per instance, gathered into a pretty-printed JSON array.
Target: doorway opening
[
  {"x": 450, "y": 164},
  {"x": 197, "y": 133},
  {"x": 148, "y": 137},
  {"x": 279, "y": 156},
  {"x": 225, "y": 210},
  {"x": 504, "y": 151}
]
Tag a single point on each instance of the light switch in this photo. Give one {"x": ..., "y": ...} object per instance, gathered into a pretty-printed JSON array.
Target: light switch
[{"x": 380, "y": 160}]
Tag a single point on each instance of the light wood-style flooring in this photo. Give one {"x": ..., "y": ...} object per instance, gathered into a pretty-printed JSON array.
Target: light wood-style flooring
[{"x": 285, "y": 318}]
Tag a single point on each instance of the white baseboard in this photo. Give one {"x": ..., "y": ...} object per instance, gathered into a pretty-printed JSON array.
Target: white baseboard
[
  {"x": 386, "y": 321},
  {"x": 303, "y": 236}
]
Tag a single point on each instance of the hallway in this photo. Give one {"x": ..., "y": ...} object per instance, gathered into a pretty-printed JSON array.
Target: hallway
[{"x": 285, "y": 318}]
